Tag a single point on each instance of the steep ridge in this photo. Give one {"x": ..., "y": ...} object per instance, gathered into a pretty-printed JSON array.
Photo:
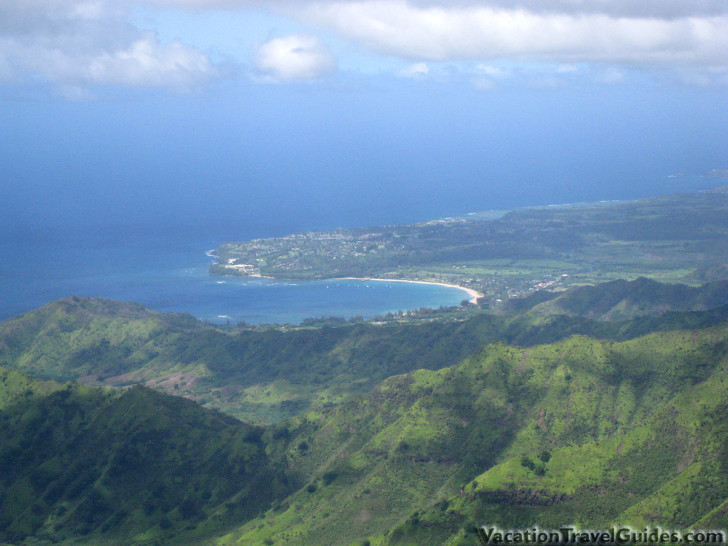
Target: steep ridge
[
  {"x": 579, "y": 431},
  {"x": 83, "y": 464},
  {"x": 269, "y": 375},
  {"x": 623, "y": 300}
]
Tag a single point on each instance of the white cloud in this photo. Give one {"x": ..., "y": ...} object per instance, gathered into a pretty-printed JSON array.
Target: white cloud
[
  {"x": 666, "y": 33},
  {"x": 490, "y": 71},
  {"x": 78, "y": 43},
  {"x": 618, "y": 8},
  {"x": 486, "y": 77},
  {"x": 567, "y": 69},
  {"x": 148, "y": 63},
  {"x": 294, "y": 58},
  {"x": 416, "y": 70},
  {"x": 611, "y": 75},
  {"x": 85, "y": 43},
  {"x": 488, "y": 31}
]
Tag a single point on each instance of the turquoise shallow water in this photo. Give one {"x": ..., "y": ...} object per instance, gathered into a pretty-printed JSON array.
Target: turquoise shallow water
[{"x": 166, "y": 270}]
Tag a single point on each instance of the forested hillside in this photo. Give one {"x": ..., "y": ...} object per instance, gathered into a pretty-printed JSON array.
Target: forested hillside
[
  {"x": 270, "y": 374},
  {"x": 584, "y": 431},
  {"x": 622, "y": 300},
  {"x": 90, "y": 465},
  {"x": 520, "y": 419}
]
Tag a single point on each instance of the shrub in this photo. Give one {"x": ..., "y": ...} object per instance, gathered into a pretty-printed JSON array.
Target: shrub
[
  {"x": 329, "y": 477},
  {"x": 527, "y": 463}
]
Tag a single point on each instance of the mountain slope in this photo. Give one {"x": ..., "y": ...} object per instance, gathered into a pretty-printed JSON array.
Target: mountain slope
[
  {"x": 516, "y": 437},
  {"x": 80, "y": 463},
  {"x": 269, "y": 375},
  {"x": 510, "y": 436},
  {"x": 668, "y": 471},
  {"x": 623, "y": 300}
]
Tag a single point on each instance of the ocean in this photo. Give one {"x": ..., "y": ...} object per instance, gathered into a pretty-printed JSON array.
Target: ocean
[{"x": 164, "y": 266}]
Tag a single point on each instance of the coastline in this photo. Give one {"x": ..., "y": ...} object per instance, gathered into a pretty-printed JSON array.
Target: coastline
[{"x": 474, "y": 294}]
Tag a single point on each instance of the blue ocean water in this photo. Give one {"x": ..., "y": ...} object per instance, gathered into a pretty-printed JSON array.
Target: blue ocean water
[{"x": 165, "y": 268}]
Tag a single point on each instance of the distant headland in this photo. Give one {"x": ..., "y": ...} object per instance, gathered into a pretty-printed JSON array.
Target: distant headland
[{"x": 495, "y": 257}]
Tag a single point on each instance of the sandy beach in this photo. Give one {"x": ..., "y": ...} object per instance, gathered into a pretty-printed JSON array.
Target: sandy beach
[{"x": 474, "y": 294}]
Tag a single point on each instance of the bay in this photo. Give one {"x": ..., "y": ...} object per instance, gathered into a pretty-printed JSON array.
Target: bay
[{"x": 165, "y": 268}]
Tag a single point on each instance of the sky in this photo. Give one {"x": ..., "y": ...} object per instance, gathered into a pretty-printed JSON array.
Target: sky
[{"x": 318, "y": 114}]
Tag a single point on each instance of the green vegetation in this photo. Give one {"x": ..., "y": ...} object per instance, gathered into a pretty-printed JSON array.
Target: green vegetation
[
  {"x": 265, "y": 375},
  {"x": 593, "y": 405},
  {"x": 621, "y": 300},
  {"x": 80, "y": 463},
  {"x": 677, "y": 238},
  {"x": 580, "y": 431},
  {"x": 511, "y": 435}
]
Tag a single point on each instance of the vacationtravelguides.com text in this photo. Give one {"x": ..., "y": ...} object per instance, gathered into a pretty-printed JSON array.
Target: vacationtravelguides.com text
[{"x": 615, "y": 535}]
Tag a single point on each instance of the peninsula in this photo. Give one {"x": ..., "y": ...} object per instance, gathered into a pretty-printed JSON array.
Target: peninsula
[{"x": 674, "y": 238}]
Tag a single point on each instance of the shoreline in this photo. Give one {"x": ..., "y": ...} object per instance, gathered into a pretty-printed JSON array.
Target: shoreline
[{"x": 474, "y": 294}]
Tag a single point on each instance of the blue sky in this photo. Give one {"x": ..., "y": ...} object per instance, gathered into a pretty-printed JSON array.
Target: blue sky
[{"x": 324, "y": 113}]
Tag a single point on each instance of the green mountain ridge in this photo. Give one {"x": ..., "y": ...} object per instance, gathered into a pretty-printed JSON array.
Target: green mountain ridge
[
  {"x": 624, "y": 300},
  {"x": 522, "y": 419},
  {"x": 269, "y": 375},
  {"x": 664, "y": 468},
  {"x": 442, "y": 451},
  {"x": 83, "y": 464}
]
